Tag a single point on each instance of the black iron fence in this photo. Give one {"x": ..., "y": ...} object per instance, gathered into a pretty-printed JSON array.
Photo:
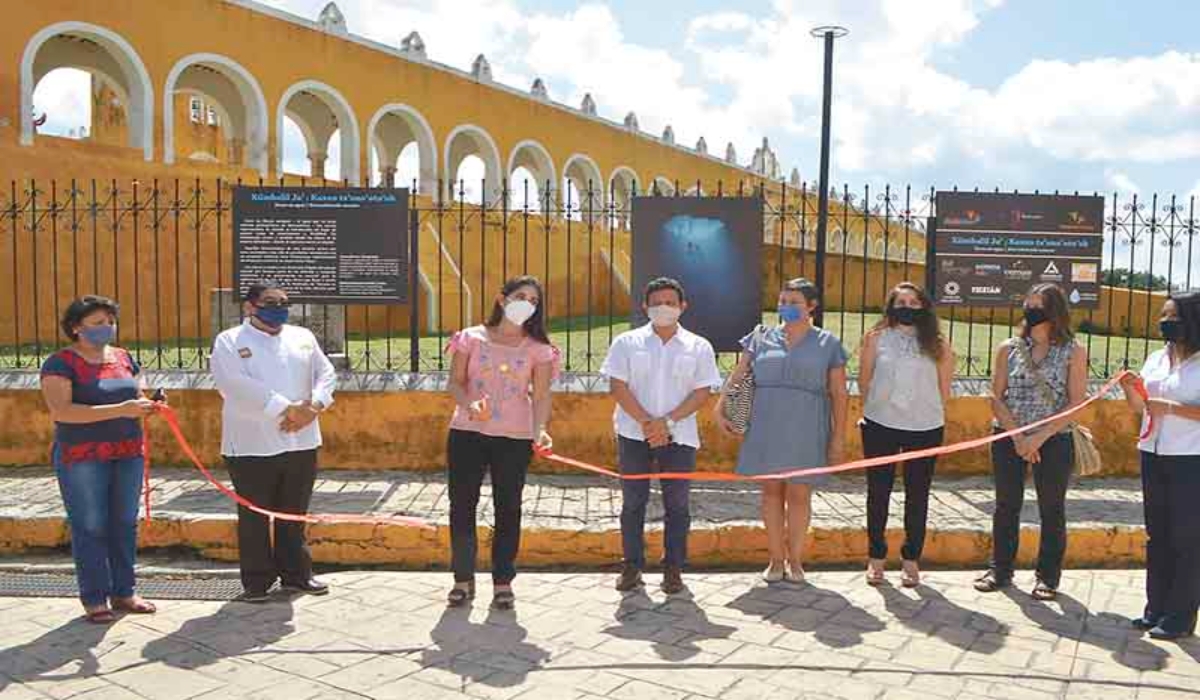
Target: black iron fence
[{"x": 164, "y": 250}]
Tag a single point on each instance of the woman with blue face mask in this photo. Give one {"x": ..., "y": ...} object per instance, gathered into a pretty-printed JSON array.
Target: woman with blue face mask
[
  {"x": 798, "y": 420},
  {"x": 94, "y": 397}
]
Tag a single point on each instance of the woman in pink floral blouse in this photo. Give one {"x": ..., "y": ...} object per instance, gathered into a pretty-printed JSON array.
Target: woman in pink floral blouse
[{"x": 500, "y": 376}]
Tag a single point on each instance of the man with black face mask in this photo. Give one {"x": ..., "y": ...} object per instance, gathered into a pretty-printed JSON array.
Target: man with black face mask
[{"x": 275, "y": 381}]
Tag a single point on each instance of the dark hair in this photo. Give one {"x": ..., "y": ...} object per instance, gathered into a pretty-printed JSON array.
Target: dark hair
[
  {"x": 83, "y": 307},
  {"x": 802, "y": 285},
  {"x": 660, "y": 283},
  {"x": 1058, "y": 314},
  {"x": 535, "y": 325},
  {"x": 255, "y": 291},
  {"x": 1187, "y": 305},
  {"x": 929, "y": 329}
]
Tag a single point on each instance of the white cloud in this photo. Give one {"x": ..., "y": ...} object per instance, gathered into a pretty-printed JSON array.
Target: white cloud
[{"x": 1121, "y": 182}]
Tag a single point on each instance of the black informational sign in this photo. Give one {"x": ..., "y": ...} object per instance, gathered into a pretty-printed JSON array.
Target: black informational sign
[
  {"x": 990, "y": 248},
  {"x": 323, "y": 245},
  {"x": 713, "y": 246}
]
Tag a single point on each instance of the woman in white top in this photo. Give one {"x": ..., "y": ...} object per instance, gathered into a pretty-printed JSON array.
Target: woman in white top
[
  {"x": 907, "y": 367},
  {"x": 1170, "y": 451}
]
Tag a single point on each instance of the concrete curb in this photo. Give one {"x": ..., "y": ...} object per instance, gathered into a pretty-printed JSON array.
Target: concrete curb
[{"x": 710, "y": 546}]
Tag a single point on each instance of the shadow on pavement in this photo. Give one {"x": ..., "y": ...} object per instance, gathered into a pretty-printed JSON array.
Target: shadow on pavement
[
  {"x": 832, "y": 619},
  {"x": 673, "y": 627},
  {"x": 493, "y": 652},
  {"x": 934, "y": 614},
  {"x": 1070, "y": 619},
  {"x": 73, "y": 642}
]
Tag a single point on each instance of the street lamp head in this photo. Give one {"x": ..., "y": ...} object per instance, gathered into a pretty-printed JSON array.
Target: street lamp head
[{"x": 828, "y": 30}]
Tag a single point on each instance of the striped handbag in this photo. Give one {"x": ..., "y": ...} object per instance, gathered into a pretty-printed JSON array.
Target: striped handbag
[{"x": 739, "y": 397}]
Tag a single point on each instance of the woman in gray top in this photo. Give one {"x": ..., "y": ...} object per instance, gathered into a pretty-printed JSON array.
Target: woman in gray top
[
  {"x": 1041, "y": 372},
  {"x": 798, "y": 420},
  {"x": 906, "y": 370}
]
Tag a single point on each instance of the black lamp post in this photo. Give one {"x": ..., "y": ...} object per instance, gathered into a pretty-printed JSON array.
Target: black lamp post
[{"x": 829, "y": 34}]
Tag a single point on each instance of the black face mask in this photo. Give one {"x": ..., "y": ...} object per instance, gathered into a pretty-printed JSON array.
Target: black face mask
[
  {"x": 1034, "y": 317},
  {"x": 1171, "y": 329},
  {"x": 906, "y": 316}
]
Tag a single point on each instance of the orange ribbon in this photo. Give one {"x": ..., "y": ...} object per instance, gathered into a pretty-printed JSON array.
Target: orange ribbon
[
  {"x": 844, "y": 467},
  {"x": 172, "y": 420},
  {"x": 1140, "y": 387}
]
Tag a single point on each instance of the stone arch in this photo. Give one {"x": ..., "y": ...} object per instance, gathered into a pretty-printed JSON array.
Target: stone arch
[
  {"x": 896, "y": 251},
  {"x": 877, "y": 248},
  {"x": 471, "y": 140},
  {"x": 662, "y": 187},
  {"x": 579, "y": 171},
  {"x": 320, "y": 110},
  {"x": 391, "y": 129},
  {"x": 533, "y": 157},
  {"x": 232, "y": 88},
  {"x": 623, "y": 184},
  {"x": 833, "y": 244},
  {"x": 101, "y": 52}
]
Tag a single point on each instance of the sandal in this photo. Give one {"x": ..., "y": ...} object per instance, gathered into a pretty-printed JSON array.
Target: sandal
[
  {"x": 135, "y": 605},
  {"x": 503, "y": 599},
  {"x": 458, "y": 597},
  {"x": 910, "y": 575},
  {"x": 875, "y": 573},
  {"x": 104, "y": 616},
  {"x": 989, "y": 582},
  {"x": 1044, "y": 591},
  {"x": 794, "y": 573}
]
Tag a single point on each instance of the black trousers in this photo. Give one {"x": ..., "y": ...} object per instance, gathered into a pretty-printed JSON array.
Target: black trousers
[
  {"x": 879, "y": 440},
  {"x": 470, "y": 456},
  {"x": 283, "y": 483},
  {"x": 1171, "y": 498},
  {"x": 1050, "y": 478}
]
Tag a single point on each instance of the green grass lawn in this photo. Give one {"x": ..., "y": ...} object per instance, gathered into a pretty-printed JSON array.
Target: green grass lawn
[{"x": 584, "y": 346}]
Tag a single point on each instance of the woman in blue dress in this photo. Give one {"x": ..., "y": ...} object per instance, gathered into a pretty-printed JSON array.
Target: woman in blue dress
[{"x": 798, "y": 420}]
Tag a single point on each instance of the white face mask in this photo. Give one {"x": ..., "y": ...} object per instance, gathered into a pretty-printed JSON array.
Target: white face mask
[
  {"x": 519, "y": 311},
  {"x": 663, "y": 315}
]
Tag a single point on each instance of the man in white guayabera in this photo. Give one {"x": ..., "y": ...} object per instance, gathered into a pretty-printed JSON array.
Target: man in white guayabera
[
  {"x": 275, "y": 381},
  {"x": 660, "y": 374}
]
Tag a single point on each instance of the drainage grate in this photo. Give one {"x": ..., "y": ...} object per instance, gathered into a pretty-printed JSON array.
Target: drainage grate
[{"x": 16, "y": 585}]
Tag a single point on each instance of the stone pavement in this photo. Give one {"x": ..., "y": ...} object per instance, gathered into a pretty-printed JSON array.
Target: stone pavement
[
  {"x": 388, "y": 635},
  {"x": 573, "y": 520}
]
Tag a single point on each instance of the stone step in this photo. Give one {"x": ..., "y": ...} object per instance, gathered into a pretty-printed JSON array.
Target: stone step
[{"x": 573, "y": 521}]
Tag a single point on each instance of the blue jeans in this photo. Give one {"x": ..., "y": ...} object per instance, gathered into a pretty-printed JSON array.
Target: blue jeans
[
  {"x": 102, "y": 508},
  {"x": 637, "y": 457}
]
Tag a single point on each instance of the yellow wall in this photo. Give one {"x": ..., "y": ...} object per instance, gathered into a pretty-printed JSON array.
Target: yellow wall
[{"x": 371, "y": 430}]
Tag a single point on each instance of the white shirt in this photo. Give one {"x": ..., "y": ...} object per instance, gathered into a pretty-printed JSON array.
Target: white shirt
[
  {"x": 661, "y": 375},
  {"x": 904, "y": 392},
  {"x": 259, "y": 375},
  {"x": 1173, "y": 435}
]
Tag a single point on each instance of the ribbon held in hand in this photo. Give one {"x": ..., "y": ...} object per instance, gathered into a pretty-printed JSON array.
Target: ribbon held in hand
[
  {"x": 845, "y": 467},
  {"x": 172, "y": 420}
]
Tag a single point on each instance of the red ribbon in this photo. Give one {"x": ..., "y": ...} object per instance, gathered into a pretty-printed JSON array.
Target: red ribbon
[
  {"x": 1139, "y": 386},
  {"x": 172, "y": 420},
  {"x": 844, "y": 467}
]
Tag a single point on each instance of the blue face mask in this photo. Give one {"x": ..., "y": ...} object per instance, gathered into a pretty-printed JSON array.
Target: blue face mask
[
  {"x": 98, "y": 336},
  {"x": 792, "y": 313},
  {"x": 272, "y": 316}
]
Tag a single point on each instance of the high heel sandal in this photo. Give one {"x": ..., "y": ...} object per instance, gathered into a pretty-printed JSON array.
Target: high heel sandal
[
  {"x": 793, "y": 573},
  {"x": 773, "y": 573},
  {"x": 875, "y": 574},
  {"x": 459, "y": 596},
  {"x": 910, "y": 575}
]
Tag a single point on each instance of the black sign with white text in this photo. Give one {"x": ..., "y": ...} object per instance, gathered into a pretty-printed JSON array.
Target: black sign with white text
[
  {"x": 323, "y": 245},
  {"x": 990, "y": 248}
]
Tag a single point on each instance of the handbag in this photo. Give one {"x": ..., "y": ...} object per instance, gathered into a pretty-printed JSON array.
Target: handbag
[
  {"x": 1087, "y": 456},
  {"x": 739, "y": 397}
]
